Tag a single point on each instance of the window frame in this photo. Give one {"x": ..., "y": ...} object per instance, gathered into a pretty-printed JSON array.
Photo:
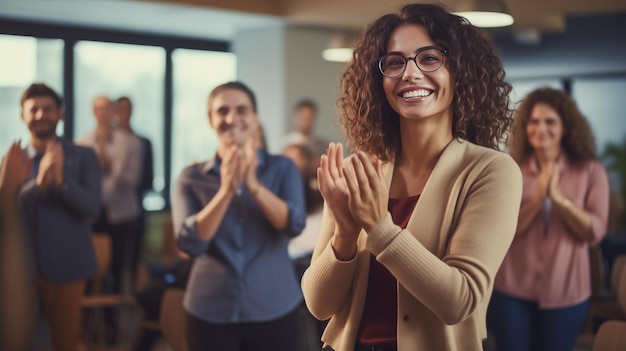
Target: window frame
[{"x": 73, "y": 34}]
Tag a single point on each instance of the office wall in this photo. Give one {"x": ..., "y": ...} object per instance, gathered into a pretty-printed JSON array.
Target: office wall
[
  {"x": 590, "y": 46},
  {"x": 310, "y": 76},
  {"x": 284, "y": 65},
  {"x": 260, "y": 62}
]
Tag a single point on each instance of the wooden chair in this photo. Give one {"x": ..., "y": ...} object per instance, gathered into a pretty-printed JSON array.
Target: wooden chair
[
  {"x": 611, "y": 337},
  {"x": 618, "y": 266},
  {"x": 97, "y": 300},
  {"x": 172, "y": 319},
  {"x": 621, "y": 290},
  {"x": 102, "y": 249},
  {"x": 612, "y": 334},
  {"x": 603, "y": 304},
  {"x": 589, "y": 340}
]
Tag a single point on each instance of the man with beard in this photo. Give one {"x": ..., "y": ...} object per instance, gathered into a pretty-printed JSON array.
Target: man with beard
[{"x": 58, "y": 200}]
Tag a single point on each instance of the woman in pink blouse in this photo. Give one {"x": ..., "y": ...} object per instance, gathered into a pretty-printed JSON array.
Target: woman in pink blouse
[{"x": 542, "y": 289}]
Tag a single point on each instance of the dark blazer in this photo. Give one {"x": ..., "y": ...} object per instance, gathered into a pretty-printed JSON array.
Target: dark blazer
[
  {"x": 59, "y": 220},
  {"x": 147, "y": 168}
]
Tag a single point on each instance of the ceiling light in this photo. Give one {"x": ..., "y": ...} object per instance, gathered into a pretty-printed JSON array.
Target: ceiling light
[
  {"x": 484, "y": 13},
  {"x": 338, "y": 49},
  {"x": 337, "y": 54}
]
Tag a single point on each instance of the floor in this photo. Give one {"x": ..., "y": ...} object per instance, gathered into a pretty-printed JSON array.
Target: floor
[{"x": 309, "y": 340}]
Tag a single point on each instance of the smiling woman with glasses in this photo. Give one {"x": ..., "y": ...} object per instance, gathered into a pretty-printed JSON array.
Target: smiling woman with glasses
[{"x": 418, "y": 219}]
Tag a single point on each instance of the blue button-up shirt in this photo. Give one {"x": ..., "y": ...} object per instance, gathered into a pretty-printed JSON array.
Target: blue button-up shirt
[{"x": 244, "y": 273}]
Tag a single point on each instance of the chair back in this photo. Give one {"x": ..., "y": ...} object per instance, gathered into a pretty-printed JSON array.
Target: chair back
[
  {"x": 172, "y": 319},
  {"x": 611, "y": 336},
  {"x": 102, "y": 249},
  {"x": 597, "y": 268},
  {"x": 616, "y": 271},
  {"x": 621, "y": 291},
  {"x": 170, "y": 246}
]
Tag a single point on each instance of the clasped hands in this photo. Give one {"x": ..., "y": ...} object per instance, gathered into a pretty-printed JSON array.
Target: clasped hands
[
  {"x": 239, "y": 167},
  {"x": 354, "y": 190},
  {"x": 50, "y": 172},
  {"x": 548, "y": 184}
]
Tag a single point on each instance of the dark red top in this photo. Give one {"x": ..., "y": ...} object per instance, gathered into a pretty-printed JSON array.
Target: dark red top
[{"x": 378, "y": 324}]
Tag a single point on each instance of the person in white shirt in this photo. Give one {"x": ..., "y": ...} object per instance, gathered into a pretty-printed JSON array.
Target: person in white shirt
[
  {"x": 123, "y": 111},
  {"x": 119, "y": 153},
  {"x": 305, "y": 119}
]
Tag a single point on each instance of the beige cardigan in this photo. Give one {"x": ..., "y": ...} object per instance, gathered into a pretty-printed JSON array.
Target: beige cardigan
[{"x": 445, "y": 260}]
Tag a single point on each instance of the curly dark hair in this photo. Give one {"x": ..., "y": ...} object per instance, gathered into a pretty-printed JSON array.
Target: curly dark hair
[
  {"x": 578, "y": 141},
  {"x": 481, "y": 107}
]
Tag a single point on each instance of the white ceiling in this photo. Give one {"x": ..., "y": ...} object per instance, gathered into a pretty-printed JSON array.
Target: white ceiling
[
  {"x": 221, "y": 19},
  {"x": 140, "y": 16}
]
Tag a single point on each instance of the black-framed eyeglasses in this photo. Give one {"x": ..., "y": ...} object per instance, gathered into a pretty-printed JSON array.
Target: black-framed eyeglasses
[{"x": 427, "y": 59}]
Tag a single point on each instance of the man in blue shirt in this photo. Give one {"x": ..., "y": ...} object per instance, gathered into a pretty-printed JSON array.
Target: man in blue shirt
[
  {"x": 58, "y": 201},
  {"x": 235, "y": 215}
]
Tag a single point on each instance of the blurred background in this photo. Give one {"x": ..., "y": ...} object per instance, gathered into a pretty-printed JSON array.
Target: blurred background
[{"x": 167, "y": 55}]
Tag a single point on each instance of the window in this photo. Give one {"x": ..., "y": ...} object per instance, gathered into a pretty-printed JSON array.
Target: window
[
  {"x": 117, "y": 64},
  {"x": 601, "y": 101},
  {"x": 25, "y": 60},
  {"x": 196, "y": 73},
  {"x": 136, "y": 71}
]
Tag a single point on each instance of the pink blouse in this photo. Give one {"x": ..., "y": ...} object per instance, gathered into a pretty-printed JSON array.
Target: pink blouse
[{"x": 546, "y": 263}]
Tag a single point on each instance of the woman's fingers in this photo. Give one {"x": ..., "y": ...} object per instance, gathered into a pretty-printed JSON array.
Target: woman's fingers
[
  {"x": 372, "y": 172},
  {"x": 351, "y": 180},
  {"x": 334, "y": 166},
  {"x": 323, "y": 175},
  {"x": 367, "y": 174},
  {"x": 338, "y": 156}
]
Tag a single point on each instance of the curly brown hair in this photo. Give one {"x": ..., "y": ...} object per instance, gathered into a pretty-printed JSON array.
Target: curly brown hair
[
  {"x": 481, "y": 106},
  {"x": 578, "y": 141}
]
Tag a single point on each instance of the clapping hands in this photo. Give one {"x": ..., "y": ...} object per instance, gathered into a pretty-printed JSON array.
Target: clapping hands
[
  {"x": 239, "y": 167},
  {"x": 354, "y": 190},
  {"x": 15, "y": 168},
  {"x": 50, "y": 172}
]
